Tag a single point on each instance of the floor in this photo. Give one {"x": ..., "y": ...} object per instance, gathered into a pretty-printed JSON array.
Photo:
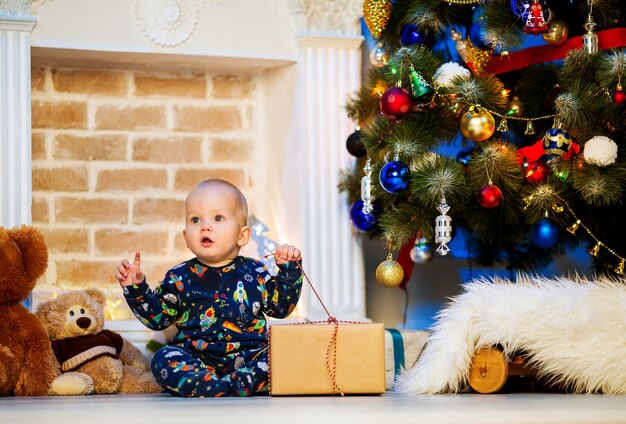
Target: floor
[{"x": 516, "y": 408}]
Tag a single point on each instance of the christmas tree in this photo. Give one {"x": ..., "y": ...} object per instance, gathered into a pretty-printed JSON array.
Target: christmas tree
[{"x": 504, "y": 118}]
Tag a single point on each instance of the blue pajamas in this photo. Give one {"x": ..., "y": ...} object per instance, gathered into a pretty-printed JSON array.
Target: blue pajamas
[
  {"x": 184, "y": 374},
  {"x": 221, "y": 345}
]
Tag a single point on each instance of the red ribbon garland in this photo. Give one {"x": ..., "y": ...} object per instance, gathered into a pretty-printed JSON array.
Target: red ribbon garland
[
  {"x": 536, "y": 151},
  {"x": 405, "y": 261},
  {"x": 607, "y": 39}
]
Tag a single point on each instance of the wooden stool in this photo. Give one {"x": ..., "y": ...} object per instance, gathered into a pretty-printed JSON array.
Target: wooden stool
[{"x": 490, "y": 370}]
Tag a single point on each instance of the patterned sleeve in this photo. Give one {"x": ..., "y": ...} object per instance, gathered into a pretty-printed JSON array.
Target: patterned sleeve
[
  {"x": 157, "y": 309},
  {"x": 283, "y": 291}
]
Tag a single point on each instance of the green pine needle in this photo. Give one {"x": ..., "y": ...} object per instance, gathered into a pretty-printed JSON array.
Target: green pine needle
[{"x": 600, "y": 186}]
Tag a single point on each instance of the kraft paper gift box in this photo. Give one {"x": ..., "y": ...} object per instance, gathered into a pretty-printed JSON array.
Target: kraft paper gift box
[
  {"x": 402, "y": 348},
  {"x": 298, "y": 364}
]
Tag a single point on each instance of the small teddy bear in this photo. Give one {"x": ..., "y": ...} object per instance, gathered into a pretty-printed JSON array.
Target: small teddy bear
[
  {"x": 92, "y": 359},
  {"x": 27, "y": 365}
]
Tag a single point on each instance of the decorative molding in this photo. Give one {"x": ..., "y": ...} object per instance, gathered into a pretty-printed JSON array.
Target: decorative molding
[
  {"x": 327, "y": 17},
  {"x": 280, "y": 9},
  {"x": 17, "y": 23},
  {"x": 166, "y": 23},
  {"x": 15, "y": 8},
  {"x": 332, "y": 16},
  {"x": 35, "y": 5}
]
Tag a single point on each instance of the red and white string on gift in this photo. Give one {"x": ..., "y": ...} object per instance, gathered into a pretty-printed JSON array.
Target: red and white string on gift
[{"x": 332, "y": 371}]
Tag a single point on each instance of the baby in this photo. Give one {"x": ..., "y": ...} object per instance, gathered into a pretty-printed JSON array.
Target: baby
[{"x": 217, "y": 300}]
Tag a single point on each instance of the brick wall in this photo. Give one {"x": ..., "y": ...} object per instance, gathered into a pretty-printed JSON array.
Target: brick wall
[{"x": 116, "y": 151}]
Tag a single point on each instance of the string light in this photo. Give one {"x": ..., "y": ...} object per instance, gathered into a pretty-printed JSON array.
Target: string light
[{"x": 111, "y": 307}]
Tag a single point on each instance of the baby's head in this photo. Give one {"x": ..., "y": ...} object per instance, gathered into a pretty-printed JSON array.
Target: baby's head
[{"x": 215, "y": 223}]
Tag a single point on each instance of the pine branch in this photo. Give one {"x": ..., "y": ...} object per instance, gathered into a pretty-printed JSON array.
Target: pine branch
[
  {"x": 537, "y": 87},
  {"x": 609, "y": 65},
  {"x": 402, "y": 222},
  {"x": 434, "y": 176},
  {"x": 578, "y": 112},
  {"x": 483, "y": 91},
  {"x": 605, "y": 12},
  {"x": 350, "y": 182},
  {"x": 600, "y": 186},
  {"x": 399, "y": 66},
  {"x": 501, "y": 30},
  {"x": 363, "y": 105},
  {"x": 496, "y": 160}
]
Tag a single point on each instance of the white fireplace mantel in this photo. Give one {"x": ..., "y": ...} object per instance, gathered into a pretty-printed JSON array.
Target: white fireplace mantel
[
  {"x": 314, "y": 42},
  {"x": 201, "y": 34}
]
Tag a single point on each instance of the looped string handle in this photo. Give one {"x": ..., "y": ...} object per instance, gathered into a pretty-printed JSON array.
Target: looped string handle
[{"x": 332, "y": 370}]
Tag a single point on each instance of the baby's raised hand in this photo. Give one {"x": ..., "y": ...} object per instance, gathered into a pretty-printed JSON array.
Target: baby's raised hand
[
  {"x": 287, "y": 253},
  {"x": 128, "y": 274}
]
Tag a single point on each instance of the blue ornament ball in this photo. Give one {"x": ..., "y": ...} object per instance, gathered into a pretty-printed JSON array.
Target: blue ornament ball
[
  {"x": 477, "y": 37},
  {"x": 361, "y": 221},
  {"x": 545, "y": 233},
  {"x": 556, "y": 142},
  {"x": 394, "y": 176},
  {"x": 411, "y": 35}
]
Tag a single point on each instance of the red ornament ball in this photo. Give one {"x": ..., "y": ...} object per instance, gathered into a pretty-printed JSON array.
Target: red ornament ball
[
  {"x": 619, "y": 97},
  {"x": 489, "y": 196},
  {"x": 395, "y": 103},
  {"x": 536, "y": 172}
]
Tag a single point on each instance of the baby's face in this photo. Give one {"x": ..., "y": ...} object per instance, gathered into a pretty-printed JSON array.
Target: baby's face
[{"x": 214, "y": 231}]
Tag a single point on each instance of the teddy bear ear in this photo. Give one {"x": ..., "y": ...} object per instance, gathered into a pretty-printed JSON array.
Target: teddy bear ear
[
  {"x": 33, "y": 248},
  {"x": 97, "y": 295},
  {"x": 42, "y": 310}
]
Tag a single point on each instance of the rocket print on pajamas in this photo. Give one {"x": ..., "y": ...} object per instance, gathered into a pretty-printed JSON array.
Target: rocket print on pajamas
[{"x": 241, "y": 296}]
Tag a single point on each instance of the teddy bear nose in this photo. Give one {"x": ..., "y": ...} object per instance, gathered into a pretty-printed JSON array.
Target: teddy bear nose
[{"x": 83, "y": 322}]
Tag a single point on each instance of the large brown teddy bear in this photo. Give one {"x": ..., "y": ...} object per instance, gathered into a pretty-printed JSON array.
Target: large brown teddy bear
[
  {"x": 91, "y": 358},
  {"x": 27, "y": 366}
]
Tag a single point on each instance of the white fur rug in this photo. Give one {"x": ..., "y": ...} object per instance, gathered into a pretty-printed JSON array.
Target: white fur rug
[{"x": 573, "y": 331}]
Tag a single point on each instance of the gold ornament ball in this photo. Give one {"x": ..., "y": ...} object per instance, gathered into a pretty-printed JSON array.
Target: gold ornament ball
[
  {"x": 557, "y": 32},
  {"x": 389, "y": 273},
  {"x": 477, "y": 124}
]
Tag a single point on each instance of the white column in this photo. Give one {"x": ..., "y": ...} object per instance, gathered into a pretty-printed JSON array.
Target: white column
[
  {"x": 328, "y": 71},
  {"x": 15, "y": 121}
]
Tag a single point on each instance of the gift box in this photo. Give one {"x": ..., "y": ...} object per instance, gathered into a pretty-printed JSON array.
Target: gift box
[
  {"x": 402, "y": 348},
  {"x": 326, "y": 358}
]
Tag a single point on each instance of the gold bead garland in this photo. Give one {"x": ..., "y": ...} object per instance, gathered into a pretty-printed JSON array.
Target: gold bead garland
[
  {"x": 462, "y": 2},
  {"x": 573, "y": 228},
  {"x": 503, "y": 126}
]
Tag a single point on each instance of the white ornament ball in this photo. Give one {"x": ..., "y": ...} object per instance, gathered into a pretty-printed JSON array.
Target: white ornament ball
[
  {"x": 446, "y": 72},
  {"x": 600, "y": 150}
]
